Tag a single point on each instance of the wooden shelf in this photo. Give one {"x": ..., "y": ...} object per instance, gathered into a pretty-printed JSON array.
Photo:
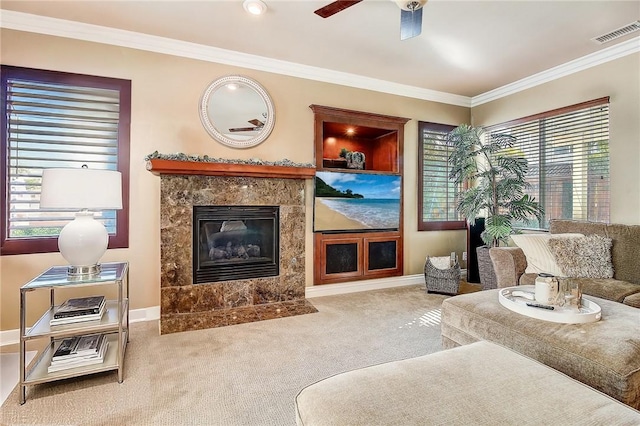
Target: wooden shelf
[
  {"x": 175, "y": 167},
  {"x": 380, "y": 138}
]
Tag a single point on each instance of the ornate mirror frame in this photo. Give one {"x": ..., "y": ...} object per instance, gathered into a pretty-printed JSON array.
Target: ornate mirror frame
[{"x": 213, "y": 99}]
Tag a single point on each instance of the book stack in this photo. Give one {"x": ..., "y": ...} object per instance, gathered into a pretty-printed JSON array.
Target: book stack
[
  {"x": 79, "y": 309},
  {"x": 78, "y": 351}
]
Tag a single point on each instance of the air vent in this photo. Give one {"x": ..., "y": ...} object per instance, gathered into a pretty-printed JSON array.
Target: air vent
[{"x": 620, "y": 32}]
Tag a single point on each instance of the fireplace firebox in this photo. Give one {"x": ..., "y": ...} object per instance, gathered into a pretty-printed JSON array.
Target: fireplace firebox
[{"x": 235, "y": 242}]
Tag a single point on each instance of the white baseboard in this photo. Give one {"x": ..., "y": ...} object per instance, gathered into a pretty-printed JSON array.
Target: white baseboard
[
  {"x": 144, "y": 314},
  {"x": 355, "y": 286}
]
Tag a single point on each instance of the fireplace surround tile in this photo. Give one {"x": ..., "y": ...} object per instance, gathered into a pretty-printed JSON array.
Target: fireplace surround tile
[
  {"x": 237, "y": 295},
  {"x": 187, "y": 306},
  {"x": 192, "y": 298}
]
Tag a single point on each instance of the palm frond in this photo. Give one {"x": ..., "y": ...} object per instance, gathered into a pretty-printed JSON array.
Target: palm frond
[{"x": 498, "y": 177}]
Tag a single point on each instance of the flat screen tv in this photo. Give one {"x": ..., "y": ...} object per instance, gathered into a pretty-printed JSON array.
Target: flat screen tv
[{"x": 356, "y": 202}]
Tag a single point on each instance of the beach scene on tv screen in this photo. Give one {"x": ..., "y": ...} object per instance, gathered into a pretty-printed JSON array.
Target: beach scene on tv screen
[{"x": 356, "y": 201}]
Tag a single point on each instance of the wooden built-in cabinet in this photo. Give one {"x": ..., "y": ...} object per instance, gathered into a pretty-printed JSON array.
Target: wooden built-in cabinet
[
  {"x": 354, "y": 256},
  {"x": 341, "y": 256}
]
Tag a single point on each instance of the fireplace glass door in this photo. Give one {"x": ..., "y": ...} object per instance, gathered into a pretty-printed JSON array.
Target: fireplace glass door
[{"x": 235, "y": 242}]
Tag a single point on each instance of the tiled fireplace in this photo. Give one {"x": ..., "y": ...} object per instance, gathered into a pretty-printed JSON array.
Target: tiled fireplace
[{"x": 220, "y": 299}]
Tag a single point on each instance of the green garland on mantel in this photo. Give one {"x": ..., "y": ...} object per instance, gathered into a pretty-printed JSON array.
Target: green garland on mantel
[{"x": 206, "y": 159}]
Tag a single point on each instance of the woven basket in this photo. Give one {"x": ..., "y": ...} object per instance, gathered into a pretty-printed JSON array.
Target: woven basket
[{"x": 445, "y": 281}]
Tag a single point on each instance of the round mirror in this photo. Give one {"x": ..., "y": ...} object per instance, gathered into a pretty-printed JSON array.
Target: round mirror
[{"x": 237, "y": 111}]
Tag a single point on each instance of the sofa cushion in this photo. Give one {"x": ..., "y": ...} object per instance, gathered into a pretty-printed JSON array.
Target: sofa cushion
[
  {"x": 539, "y": 256},
  {"x": 608, "y": 288},
  {"x": 583, "y": 257},
  {"x": 527, "y": 279},
  {"x": 563, "y": 226},
  {"x": 480, "y": 384},
  {"x": 632, "y": 300},
  {"x": 624, "y": 253}
]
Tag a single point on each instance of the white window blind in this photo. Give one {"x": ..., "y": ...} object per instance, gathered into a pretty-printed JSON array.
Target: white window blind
[
  {"x": 437, "y": 192},
  {"x": 568, "y": 155},
  {"x": 55, "y": 125}
]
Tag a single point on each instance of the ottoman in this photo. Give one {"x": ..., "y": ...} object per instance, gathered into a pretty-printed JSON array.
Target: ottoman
[
  {"x": 480, "y": 384},
  {"x": 604, "y": 354}
]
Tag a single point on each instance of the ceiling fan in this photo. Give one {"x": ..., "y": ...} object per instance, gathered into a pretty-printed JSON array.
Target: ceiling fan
[
  {"x": 256, "y": 123},
  {"x": 410, "y": 14}
]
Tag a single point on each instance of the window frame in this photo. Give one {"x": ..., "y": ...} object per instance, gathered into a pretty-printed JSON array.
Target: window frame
[
  {"x": 442, "y": 225},
  {"x": 16, "y": 246},
  {"x": 541, "y": 117}
]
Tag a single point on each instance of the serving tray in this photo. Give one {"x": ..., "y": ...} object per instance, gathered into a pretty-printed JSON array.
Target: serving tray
[{"x": 588, "y": 312}]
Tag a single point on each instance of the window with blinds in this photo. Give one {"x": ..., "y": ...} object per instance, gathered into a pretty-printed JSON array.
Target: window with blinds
[
  {"x": 436, "y": 192},
  {"x": 568, "y": 154},
  {"x": 57, "y": 120}
]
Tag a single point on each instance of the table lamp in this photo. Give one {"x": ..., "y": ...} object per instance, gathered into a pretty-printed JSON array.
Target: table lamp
[{"x": 84, "y": 240}]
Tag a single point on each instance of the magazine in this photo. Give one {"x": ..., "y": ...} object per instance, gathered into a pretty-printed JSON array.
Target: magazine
[
  {"x": 79, "y": 351},
  {"x": 79, "y": 362},
  {"x": 80, "y": 306},
  {"x": 77, "y": 346},
  {"x": 78, "y": 318},
  {"x": 66, "y": 347}
]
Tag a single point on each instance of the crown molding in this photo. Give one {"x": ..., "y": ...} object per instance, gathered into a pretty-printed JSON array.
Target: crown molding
[
  {"x": 619, "y": 50},
  {"x": 94, "y": 33}
]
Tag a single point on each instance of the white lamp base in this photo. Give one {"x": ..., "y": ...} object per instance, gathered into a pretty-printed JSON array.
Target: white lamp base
[{"x": 82, "y": 242}]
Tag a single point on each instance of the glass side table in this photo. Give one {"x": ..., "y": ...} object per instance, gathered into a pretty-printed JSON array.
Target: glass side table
[{"x": 114, "y": 323}]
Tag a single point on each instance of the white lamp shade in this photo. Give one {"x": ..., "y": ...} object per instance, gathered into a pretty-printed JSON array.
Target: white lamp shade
[{"x": 81, "y": 188}]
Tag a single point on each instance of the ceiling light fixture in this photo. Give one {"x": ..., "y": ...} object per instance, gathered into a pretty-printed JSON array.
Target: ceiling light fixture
[{"x": 254, "y": 7}]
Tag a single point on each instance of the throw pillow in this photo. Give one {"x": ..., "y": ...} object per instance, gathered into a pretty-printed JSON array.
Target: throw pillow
[
  {"x": 536, "y": 250},
  {"x": 584, "y": 257}
]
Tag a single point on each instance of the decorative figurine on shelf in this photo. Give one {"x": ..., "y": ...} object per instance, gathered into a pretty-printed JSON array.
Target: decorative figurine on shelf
[{"x": 355, "y": 160}]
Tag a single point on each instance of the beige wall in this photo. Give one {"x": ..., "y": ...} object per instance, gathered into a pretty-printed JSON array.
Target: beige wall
[
  {"x": 620, "y": 80},
  {"x": 166, "y": 91},
  {"x": 165, "y": 95}
]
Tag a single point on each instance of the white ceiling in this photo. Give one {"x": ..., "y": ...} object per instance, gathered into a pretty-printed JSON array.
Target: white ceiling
[{"x": 466, "y": 48}]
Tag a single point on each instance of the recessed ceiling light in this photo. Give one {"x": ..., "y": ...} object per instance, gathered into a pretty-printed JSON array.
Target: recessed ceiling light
[{"x": 254, "y": 7}]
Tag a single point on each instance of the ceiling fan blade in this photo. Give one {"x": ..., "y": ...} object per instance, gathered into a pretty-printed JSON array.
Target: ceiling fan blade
[
  {"x": 256, "y": 122},
  {"x": 335, "y": 7},
  {"x": 410, "y": 23},
  {"x": 243, "y": 129}
]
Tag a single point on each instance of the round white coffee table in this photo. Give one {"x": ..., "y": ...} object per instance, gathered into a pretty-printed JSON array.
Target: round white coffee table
[{"x": 588, "y": 312}]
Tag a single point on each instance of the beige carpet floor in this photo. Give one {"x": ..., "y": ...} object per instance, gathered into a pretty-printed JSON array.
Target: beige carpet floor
[{"x": 246, "y": 374}]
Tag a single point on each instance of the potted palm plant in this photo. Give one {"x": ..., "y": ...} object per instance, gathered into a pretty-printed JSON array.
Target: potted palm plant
[{"x": 493, "y": 174}]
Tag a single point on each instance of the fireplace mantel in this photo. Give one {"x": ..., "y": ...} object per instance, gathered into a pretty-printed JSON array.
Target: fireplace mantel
[{"x": 177, "y": 167}]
